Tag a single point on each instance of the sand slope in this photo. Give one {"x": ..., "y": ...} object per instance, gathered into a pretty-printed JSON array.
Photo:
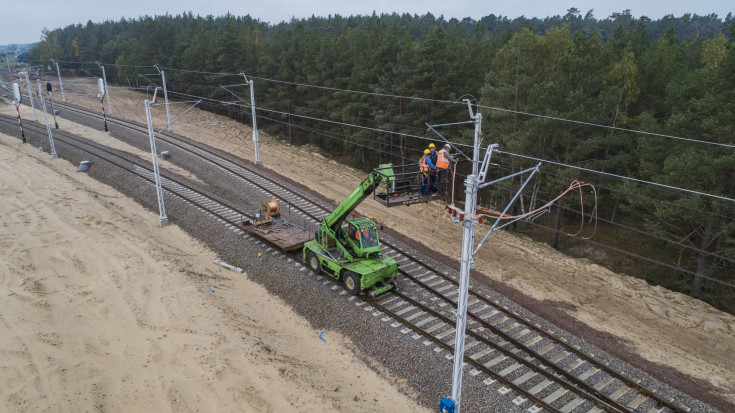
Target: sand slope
[
  {"x": 662, "y": 326},
  {"x": 101, "y": 310}
]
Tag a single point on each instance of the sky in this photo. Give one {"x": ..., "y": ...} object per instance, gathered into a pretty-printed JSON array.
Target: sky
[{"x": 23, "y": 22}]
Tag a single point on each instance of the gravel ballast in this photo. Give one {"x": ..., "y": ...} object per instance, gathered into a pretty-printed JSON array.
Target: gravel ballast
[{"x": 422, "y": 372}]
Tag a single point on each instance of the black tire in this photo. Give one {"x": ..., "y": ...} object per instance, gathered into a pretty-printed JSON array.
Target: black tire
[
  {"x": 351, "y": 282},
  {"x": 312, "y": 260}
]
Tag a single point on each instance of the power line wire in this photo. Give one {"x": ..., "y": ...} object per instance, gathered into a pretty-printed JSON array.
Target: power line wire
[
  {"x": 508, "y": 153},
  {"x": 318, "y": 132},
  {"x": 651, "y": 260},
  {"x": 629, "y": 228},
  {"x": 222, "y": 104},
  {"x": 660, "y": 135},
  {"x": 489, "y": 107},
  {"x": 236, "y": 109},
  {"x": 642, "y": 181},
  {"x": 597, "y": 125},
  {"x": 617, "y": 190}
]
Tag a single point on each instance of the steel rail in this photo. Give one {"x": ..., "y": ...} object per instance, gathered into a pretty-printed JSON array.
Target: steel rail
[{"x": 631, "y": 384}]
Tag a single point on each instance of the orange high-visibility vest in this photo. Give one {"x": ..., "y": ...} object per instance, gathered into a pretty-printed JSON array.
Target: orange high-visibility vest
[
  {"x": 422, "y": 164},
  {"x": 442, "y": 162}
]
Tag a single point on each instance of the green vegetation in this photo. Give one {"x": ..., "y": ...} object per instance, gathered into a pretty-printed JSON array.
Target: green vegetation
[{"x": 673, "y": 76}]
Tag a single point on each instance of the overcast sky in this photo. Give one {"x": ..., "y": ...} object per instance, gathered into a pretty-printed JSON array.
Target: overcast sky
[{"x": 22, "y": 22}]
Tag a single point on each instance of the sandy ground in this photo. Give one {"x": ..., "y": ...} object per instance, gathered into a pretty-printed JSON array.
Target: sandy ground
[
  {"x": 661, "y": 326},
  {"x": 104, "y": 311}
]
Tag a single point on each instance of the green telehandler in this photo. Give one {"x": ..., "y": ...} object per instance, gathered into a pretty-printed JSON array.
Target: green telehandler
[{"x": 349, "y": 250}]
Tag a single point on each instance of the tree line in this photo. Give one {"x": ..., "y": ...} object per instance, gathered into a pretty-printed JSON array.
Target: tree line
[{"x": 673, "y": 77}]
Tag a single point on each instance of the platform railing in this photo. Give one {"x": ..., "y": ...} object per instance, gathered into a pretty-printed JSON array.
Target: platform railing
[{"x": 402, "y": 185}]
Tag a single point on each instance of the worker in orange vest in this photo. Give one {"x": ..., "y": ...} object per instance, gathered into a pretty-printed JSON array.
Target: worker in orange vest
[
  {"x": 443, "y": 160},
  {"x": 426, "y": 167}
]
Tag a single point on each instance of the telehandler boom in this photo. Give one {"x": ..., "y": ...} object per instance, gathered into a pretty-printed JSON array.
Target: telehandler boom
[{"x": 349, "y": 250}]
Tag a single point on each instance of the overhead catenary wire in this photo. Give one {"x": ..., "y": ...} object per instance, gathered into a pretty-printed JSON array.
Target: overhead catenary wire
[
  {"x": 597, "y": 125},
  {"x": 488, "y": 107},
  {"x": 656, "y": 200},
  {"x": 344, "y": 124},
  {"x": 651, "y": 260},
  {"x": 575, "y": 185},
  {"x": 641, "y": 181},
  {"x": 420, "y": 137},
  {"x": 232, "y": 106},
  {"x": 505, "y": 152},
  {"x": 639, "y": 231},
  {"x": 615, "y": 176},
  {"x": 201, "y": 72},
  {"x": 94, "y": 63},
  {"x": 632, "y": 229},
  {"x": 292, "y": 106},
  {"x": 399, "y": 155},
  {"x": 384, "y": 122},
  {"x": 389, "y": 95},
  {"x": 638, "y": 195},
  {"x": 316, "y": 131}
]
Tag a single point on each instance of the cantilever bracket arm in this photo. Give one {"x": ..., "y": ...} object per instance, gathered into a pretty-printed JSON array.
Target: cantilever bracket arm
[
  {"x": 450, "y": 124},
  {"x": 431, "y": 128},
  {"x": 486, "y": 162},
  {"x": 469, "y": 107},
  {"x": 239, "y": 99},
  {"x": 182, "y": 113},
  {"x": 507, "y": 207},
  {"x": 509, "y": 176},
  {"x": 155, "y": 92},
  {"x": 150, "y": 82}
]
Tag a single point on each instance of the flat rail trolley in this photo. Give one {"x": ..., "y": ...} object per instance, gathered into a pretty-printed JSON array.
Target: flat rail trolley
[{"x": 268, "y": 225}]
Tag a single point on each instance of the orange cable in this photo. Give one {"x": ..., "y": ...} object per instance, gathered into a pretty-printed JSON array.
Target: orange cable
[{"x": 575, "y": 185}]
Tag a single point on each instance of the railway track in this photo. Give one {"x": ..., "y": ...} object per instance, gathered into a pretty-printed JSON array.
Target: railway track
[{"x": 543, "y": 371}]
